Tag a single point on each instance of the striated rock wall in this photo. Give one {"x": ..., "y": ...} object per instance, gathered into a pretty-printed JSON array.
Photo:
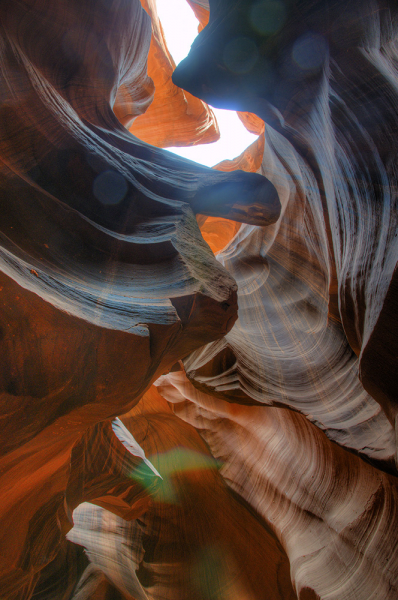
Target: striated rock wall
[
  {"x": 274, "y": 434},
  {"x": 105, "y": 280},
  {"x": 323, "y": 75},
  {"x": 332, "y": 512}
]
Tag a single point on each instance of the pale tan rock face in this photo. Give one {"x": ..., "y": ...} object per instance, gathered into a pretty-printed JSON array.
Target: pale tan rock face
[
  {"x": 316, "y": 80},
  {"x": 287, "y": 348},
  {"x": 332, "y": 512},
  {"x": 274, "y": 433}
]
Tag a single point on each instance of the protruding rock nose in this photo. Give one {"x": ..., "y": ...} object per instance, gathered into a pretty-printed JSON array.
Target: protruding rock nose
[
  {"x": 183, "y": 75},
  {"x": 202, "y": 79},
  {"x": 244, "y": 197}
]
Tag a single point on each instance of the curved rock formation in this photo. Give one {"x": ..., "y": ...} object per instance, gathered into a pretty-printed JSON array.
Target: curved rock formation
[
  {"x": 105, "y": 279},
  {"x": 175, "y": 117},
  {"x": 287, "y": 349},
  {"x": 277, "y": 446},
  {"x": 323, "y": 74},
  {"x": 196, "y": 540},
  {"x": 334, "y": 514}
]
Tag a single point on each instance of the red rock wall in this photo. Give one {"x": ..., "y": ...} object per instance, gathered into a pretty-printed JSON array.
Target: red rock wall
[{"x": 273, "y": 433}]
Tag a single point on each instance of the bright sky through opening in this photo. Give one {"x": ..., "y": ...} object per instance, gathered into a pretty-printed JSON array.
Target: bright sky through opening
[{"x": 180, "y": 28}]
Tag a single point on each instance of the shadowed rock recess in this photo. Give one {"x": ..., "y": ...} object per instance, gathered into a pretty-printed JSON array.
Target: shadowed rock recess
[{"x": 256, "y": 457}]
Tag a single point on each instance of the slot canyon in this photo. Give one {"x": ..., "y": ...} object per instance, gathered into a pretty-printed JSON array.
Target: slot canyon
[{"x": 199, "y": 374}]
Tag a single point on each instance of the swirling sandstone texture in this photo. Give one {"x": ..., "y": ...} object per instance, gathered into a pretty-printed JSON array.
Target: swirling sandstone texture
[
  {"x": 316, "y": 291},
  {"x": 323, "y": 75},
  {"x": 174, "y": 117},
  {"x": 197, "y": 540},
  {"x": 275, "y": 439},
  {"x": 105, "y": 279}
]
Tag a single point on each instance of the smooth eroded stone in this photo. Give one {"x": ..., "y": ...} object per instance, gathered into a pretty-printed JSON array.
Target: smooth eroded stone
[
  {"x": 322, "y": 74},
  {"x": 105, "y": 280}
]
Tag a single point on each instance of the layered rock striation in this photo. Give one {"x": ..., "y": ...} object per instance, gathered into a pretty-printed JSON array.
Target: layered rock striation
[
  {"x": 105, "y": 280},
  {"x": 270, "y": 439},
  {"x": 323, "y": 76}
]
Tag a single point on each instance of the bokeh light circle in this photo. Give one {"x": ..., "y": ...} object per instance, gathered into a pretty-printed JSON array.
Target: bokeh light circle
[
  {"x": 110, "y": 187},
  {"x": 267, "y": 17},
  {"x": 240, "y": 55},
  {"x": 309, "y": 51}
]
